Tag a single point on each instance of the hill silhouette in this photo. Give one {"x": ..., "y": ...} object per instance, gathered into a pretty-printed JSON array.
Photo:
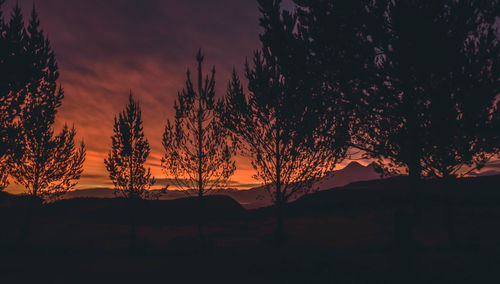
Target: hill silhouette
[
  {"x": 356, "y": 196},
  {"x": 334, "y": 234},
  {"x": 255, "y": 197},
  {"x": 164, "y": 212}
]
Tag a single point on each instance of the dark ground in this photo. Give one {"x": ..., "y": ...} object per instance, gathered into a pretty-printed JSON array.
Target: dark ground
[{"x": 338, "y": 236}]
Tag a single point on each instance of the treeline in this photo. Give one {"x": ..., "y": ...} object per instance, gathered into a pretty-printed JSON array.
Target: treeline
[{"x": 413, "y": 84}]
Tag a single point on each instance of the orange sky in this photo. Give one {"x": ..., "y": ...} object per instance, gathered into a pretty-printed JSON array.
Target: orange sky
[{"x": 107, "y": 48}]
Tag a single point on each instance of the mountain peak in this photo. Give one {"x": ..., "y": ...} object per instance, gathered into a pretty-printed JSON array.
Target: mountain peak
[
  {"x": 354, "y": 164},
  {"x": 353, "y": 172}
]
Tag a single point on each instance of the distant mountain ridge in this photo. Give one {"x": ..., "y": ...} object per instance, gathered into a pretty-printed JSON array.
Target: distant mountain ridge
[
  {"x": 258, "y": 196},
  {"x": 353, "y": 172}
]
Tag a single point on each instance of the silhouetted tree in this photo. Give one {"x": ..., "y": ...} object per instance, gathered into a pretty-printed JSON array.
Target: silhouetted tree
[
  {"x": 283, "y": 123},
  {"x": 463, "y": 83},
  {"x": 15, "y": 71},
  {"x": 434, "y": 83},
  {"x": 50, "y": 164},
  {"x": 125, "y": 161},
  {"x": 5, "y": 104},
  {"x": 335, "y": 52},
  {"x": 197, "y": 151},
  {"x": 280, "y": 131},
  {"x": 130, "y": 149},
  {"x": 407, "y": 73}
]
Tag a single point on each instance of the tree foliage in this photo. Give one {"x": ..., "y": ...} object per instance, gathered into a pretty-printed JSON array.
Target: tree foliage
[
  {"x": 198, "y": 154},
  {"x": 416, "y": 81},
  {"x": 15, "y": 71},
  {"x": 436, "y": 78},
  {"x": 337, "y": 53},
  {"x": 129, "y": 151},
  {"x": 49, "y": 164},
  {"x": 280, "y": 122}
]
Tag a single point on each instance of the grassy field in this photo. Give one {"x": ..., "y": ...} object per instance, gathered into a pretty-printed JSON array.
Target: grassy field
[{"x": 343, "y": 235}]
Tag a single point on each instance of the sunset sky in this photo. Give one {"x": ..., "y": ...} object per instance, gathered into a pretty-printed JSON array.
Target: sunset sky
[{"x": 107, "y": 48}]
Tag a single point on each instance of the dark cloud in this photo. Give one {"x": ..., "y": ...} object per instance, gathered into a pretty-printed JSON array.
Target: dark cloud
[
  {"x": 232, "y": 184},
  {"x": 107, "y": 48},
  {"x": 94, "y": 176},
  {"x": 494, "y": 165}
]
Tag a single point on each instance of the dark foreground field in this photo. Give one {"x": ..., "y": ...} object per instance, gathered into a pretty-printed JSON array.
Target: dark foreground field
[{"x": 338, "y": 236}]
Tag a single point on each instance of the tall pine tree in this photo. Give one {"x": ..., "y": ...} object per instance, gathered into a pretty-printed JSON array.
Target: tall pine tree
[
  {"x": 436, "y": 78},
  {"x": 15, "y": 72},
  {"x": 50, "y": 164},
  {"x": 416, "y": 80},
  {"x": 197, "y": 153},
  {"x": 125, "y": 161},
  {"x": 280, "y": 132},
  {"x": 130, "y": 149},
  {"x": 283, "y": 123}
]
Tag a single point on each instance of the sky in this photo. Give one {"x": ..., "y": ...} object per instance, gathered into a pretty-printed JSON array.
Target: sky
[{"x": 105, "y": 49}]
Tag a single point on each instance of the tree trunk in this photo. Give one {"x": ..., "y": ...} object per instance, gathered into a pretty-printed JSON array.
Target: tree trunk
[
  {"x": 280, "y": 198},
  {"x": 33, "y": 198},
  {"x": 280, "y": 222},
  {"x": 133, "y": 231},
  {"x": 414, "y": 187},
  {"x": 404, "y": 217},
  {"x": 201, "y": 219},
  {"x": 448, "y": 184},
  {"x": 25, "y": 229},
  {"x": 200, "y": 134}
]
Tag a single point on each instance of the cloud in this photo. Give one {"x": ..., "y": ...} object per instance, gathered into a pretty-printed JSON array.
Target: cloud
[
  {"x": 233, "y": 184},
  {"x": 494, "y": 165},
  {"x": 94, "y": 176},
  {"x": 107, "y": 48}
]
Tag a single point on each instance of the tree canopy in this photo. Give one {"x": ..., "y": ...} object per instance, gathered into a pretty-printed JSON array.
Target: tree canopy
[{"x": 129, "y": 151}]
